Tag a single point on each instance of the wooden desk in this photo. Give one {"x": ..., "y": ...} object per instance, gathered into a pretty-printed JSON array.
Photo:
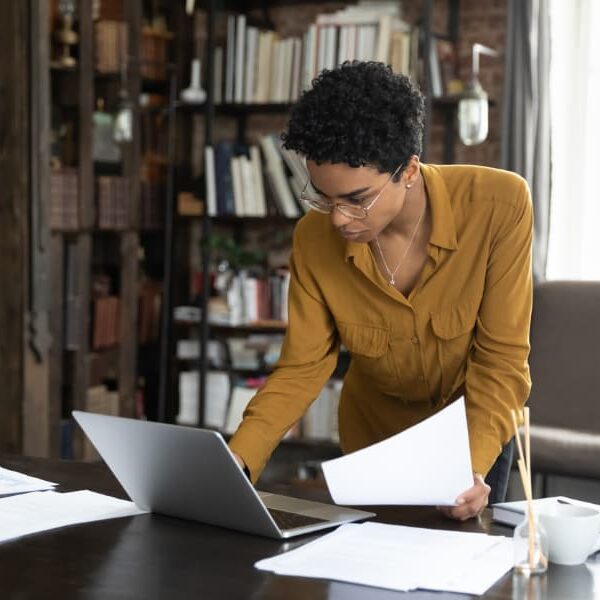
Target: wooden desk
[{"x": 155, "y": 557}]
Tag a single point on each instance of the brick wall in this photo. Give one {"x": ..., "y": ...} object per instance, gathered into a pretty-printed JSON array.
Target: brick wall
[{"x": 484, "y": 21}]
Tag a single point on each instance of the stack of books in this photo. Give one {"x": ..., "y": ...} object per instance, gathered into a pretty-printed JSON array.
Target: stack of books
[
  {"x": 64, "y": 199},
  {"x": 106, "y": 332},
  {"x": 154, "y": 53},
  {"x": 259, "y": 66},
  {"x": 251, "y": 298},
  {"x": 113, "y": 203},
  {"x": 254, "y": 181},
  {"x": 110, "y": 46}
]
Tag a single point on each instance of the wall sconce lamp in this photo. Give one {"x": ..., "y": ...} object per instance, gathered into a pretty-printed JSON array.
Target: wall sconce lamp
[{"x": 473, "y": 104}]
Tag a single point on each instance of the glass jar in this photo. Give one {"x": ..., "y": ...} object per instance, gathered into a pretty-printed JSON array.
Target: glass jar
[{"x": 530, "y": 545}]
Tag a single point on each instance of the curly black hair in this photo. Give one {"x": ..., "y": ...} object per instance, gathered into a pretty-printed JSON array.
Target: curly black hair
[{"x": 360, "y": 113}]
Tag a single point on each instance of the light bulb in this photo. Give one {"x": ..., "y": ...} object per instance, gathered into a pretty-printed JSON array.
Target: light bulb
[
  {"x": 123, "y": 127},
  {"x": 473, "y": 104},
  {"x": 473, "y": 120}
]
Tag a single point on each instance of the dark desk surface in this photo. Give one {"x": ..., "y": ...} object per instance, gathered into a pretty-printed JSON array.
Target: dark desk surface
[{"x": 153, "y": 556}]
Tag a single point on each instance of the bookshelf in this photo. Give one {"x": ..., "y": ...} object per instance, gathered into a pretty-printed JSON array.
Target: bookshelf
[
  {"x": 219, "y": 106},
  {"x": 447, "y": 104},
  {"x": 106, "y": 214}
]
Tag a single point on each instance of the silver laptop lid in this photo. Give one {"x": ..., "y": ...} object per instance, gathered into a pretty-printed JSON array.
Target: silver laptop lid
[{"x": 178, "y": 471}]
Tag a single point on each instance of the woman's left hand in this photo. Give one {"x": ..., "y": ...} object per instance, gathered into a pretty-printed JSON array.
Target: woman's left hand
[{"x": 470, "y": 503}]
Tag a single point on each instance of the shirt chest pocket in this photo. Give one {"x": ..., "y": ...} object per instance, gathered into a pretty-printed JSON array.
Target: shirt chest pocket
[
  {"x": 366, "y": 341},
  {"x": 369, "y": 348},
  {"x": 454, "y": 330}
]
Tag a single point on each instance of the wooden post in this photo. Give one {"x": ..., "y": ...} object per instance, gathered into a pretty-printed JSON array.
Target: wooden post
[
  {"x": 14, "y": 171},
  {"x": 83, "y": 243},
  {"x": 41, "y": 407},
  {"x": 130, "y": 238}
]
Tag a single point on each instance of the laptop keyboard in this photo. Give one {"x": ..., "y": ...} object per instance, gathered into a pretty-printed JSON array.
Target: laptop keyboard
[{"x": 288, "y": 520}]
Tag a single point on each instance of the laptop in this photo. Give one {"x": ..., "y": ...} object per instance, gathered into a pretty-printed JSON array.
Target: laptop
[{"x": 190, "y": 473}]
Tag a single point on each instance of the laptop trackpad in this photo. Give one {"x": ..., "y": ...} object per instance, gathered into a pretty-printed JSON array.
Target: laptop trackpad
[{"x": 297, "y": 505}]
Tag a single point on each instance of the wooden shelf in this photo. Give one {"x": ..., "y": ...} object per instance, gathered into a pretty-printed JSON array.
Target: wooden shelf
[
  {"x": 237, "y": 109},
  {"x": 244, "y": 373},
  {"x": 233, "y": 220},
  {"x": 58, "y": 68},
  {"x": 256, "y": 327}
]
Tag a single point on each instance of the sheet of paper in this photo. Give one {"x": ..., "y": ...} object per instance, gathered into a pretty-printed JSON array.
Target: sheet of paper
[
  {"x": 25, "y": 514},
  {"x": 427, "y": 464},
  {"x": 12, "y": 482},
  {"x": 400, "y": 558}
]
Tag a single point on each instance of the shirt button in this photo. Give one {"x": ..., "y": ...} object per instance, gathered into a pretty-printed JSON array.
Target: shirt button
[{"x": 414, "y": 339}]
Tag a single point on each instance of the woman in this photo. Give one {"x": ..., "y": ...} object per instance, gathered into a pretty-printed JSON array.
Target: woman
[{"x": 422, "y": 272}]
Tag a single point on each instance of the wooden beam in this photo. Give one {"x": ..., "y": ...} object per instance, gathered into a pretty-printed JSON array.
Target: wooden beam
[
  {"x": 14, "y": 170},
  {"x": 83, "y": 244},
  {"x": 130, "y": 239},
  {"x": 41, "y": 420}
]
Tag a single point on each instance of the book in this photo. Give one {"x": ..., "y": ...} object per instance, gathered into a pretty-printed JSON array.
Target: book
[
  {"x": 251, "y": 62},
  {"x": 276, "y": 174},
  {"x": 238, "y": 190},
  {"x": 218, "y": 75},
  {"x": 512, "y": 513},
  {"x": 218, "y": 389},
  {"x": 64, "y": 199},
  {"x": 309, "y": 56},
  {"x": 262, "y": 84},
  {"x": 435, "y": 72},
  {"x": 296, "y": 69},
  {"x": 259, "y": 190},
  {"x": 240, "y": 59},
  {"x": 211, "y": 187},
  {"x": 237, "y": 405},
  {"x": 248, "y": 186},
  {"x": 230, "y": 59},
  {"x": 223, "y": 178}
]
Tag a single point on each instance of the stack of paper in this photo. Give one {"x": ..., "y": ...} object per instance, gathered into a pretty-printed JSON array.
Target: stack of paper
[
  {"x": 39, "y": 511},
  {"x": 408, "y": 468},
  {"x": 400, "y": 558},
  {"x": 12, "y": 482}
]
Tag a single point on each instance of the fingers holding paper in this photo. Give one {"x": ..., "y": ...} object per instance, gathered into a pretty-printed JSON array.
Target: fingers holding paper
[{"x": 471, "y": 502}]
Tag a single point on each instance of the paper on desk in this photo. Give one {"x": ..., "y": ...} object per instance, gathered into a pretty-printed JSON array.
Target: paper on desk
[
  {"x": 400, "y": 558},
  {"x": 12, "y": 482},
  {"x": 427, "y": 464},
  {"x": 39, "y": 511}
]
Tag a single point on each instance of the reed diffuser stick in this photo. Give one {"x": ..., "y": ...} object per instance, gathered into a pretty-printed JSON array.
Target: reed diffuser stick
[{"x": 524, "y": 464}]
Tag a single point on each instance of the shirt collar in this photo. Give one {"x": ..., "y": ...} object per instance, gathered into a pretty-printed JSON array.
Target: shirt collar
[{"x": 443, "y": 227}]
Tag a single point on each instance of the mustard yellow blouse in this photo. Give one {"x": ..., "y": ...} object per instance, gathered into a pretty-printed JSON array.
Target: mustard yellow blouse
[{"x": 464, "y": 328}]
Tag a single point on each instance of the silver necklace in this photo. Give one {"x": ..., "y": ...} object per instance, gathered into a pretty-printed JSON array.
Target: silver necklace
[{"x": 392, "y": 274}]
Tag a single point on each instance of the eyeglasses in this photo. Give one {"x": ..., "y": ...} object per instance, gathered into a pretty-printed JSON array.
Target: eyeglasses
[{"x": 311, "y": 198}]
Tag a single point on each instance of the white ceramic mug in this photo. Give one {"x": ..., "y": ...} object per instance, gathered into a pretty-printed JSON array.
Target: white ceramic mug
[{"x": 573, "y": 532}]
